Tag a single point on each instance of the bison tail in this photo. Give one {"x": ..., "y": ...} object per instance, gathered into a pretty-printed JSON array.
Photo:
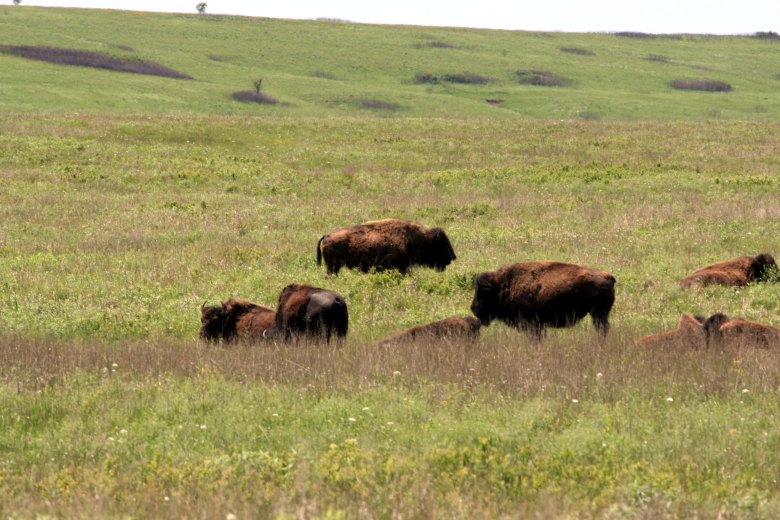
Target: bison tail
[{"x": 319, "y": 250}]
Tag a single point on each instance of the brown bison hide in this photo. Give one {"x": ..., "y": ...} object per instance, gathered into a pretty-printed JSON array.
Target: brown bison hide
[
  {"x": 535, "y": 295},
  {"x": 305, "y": 310},
  {"x": 724, "y": 331},
  {"x": 236, "y": 319},
  {"x": 385, "y": 244},
  {"x": 452, "y": 328},
  {"x": 735, "y": 272},
  {"x": 689, "y": 332}
]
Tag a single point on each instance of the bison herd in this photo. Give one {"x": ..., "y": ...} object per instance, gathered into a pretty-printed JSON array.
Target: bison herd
[{"x": 529, "y": 296}]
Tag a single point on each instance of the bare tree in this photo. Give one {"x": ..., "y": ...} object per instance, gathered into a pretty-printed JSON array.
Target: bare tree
[
  {"x": 201, "y": 7},
  {"x": 258, "y": 84}
]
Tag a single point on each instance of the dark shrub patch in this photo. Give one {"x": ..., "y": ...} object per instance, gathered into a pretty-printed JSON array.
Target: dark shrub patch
[
  {"x": 493, "y": 101},
  {"x": 540, "y": 78},
  {"x": 577, "y": 50},
  {"x": 125, "y": 48},
  {"x": 250, "y": 96},
  {"x": 322, "y": 74},
  {"x": 634, "y": 34},
  {"x": 768, "y": 35},
  {"x": 657, "y": 57},
  {"x": 706, "y": 85},
  {"x": 216, "y": 57},
  {"x": 91, "y": 59},
  {"x": 436, "y": 44},
  {"x": 467, "y": 78},
  {"x": 425, "y": 77},
  {"x": 376, "y": 104}
]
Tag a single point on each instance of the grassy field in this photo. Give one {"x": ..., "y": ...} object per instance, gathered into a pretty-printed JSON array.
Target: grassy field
[
  {"x": 319, "y": 68},
  {"x": 128, "y": 200}
]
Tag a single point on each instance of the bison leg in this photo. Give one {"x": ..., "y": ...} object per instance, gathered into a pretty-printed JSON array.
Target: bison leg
[{"x": 601, "y": 321}]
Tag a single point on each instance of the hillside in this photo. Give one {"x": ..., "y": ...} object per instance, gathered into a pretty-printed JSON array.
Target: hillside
[{"x": 327, "y": 68}]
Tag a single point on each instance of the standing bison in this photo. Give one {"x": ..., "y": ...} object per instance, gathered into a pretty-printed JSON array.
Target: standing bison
[
  {"x": 235, "y": 319},
  {"x": 735, "y": 272},
  {"x": 304, "y": 310},
  {"x": 535, "y": 295},
  {"x": 449, "y": 329},
  {"x": 385, "y": 244}
]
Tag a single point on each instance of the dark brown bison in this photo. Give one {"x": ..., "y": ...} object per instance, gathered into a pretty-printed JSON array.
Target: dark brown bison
[
  {"x": 535, "y": 295},
  {"x": 385, "y": 244},
  {"x": 304, "y": 310},
  {"x": 236, "y": 319},
  {"x": 689, "y": 332},
  {"x": 724, "y": 331},
  {"x": 735, "y": 272},
  {"x": 448, "y": 329}
]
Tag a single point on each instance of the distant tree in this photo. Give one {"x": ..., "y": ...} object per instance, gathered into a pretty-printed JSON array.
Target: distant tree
[
  {"x": 258, "y": 83},
  {"x": 201, "y": 7},
  {"x": 17, "y": 2}
]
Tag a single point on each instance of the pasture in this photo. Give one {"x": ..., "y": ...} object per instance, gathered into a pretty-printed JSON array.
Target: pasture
[{"x": 128, "y": 201}]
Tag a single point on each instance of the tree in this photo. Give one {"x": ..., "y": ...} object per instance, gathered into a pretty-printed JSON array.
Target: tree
[
  {"x": 201, "y": 7},
  {"x": 258, "y": 84},
  {"x": 17, "y": 2}
]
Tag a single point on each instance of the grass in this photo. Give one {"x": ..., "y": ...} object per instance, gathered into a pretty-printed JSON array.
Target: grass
[{"x": 376, "y": 62}]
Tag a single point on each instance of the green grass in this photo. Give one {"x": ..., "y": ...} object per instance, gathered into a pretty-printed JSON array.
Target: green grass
[{"x": 317, "y": 68}]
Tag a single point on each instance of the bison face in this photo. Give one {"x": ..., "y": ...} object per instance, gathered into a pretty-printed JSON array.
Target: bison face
[
  {"x": 761, "y": 266},
  {"x": 212, "y": 322},
  {"x": 485, "y": 301},
  {"x": 440, "y": 250}
]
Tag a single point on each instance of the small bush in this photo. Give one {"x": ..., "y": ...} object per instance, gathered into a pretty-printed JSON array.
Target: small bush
[
  {"x": 322, "y": 74},
  {"x": 635, "y": 34},
  {"x": 250, "y": 96},
  {"x": 577, "y": 50},
  {"x": 436, "y": 44},
  {"x": 494, "y": 101},
  {"x": 657, "y": 57},
  {"x": 768, "y": 35},
  {"x": 540, "y": 78},
  {"x": 467, "y": 78},
  {"x": 216, "y": 57},
  {"x": 706, "y": 85},
  {"x": 91, "y": 59},
  {"x": 425, "y": 77},
  {"x": 376, "y": 104}
]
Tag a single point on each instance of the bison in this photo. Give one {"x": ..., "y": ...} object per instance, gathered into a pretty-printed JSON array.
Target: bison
[
  {"x": 534, "y": 295},
  {"x": 736, "y": 272},
  {"x": 236, "y": 318},
  {"x": 385, "y": 244},
  {"x": 722, "y": 331},
  {"x": 305, "y": 310},
  {"x": 452, "y": 328},
  {"x": 689, "y": 332}
]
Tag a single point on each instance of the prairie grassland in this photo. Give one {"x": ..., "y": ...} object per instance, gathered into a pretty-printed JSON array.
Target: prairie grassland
[{"x": 115, "y": 230}]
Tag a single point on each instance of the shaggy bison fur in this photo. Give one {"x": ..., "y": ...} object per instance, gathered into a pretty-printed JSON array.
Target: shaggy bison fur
[
  {"x": 385, "y": 244},
  {"x": 735, "y": 272},
  {"x": 448, "y": 329},
  {"x": 724, "y": 331},
  {"x": 535, "y": 295},
  {"x": 305, "y": 310},
  {"x": 235, "y": 319},
  {"x": 689, "y": 332}
]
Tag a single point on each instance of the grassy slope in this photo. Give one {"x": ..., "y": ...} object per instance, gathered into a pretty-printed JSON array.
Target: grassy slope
[{"x": 376, "y": 62}]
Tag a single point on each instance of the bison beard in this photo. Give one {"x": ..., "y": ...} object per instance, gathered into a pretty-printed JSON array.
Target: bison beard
[
  {"x": 385, "y": 244},
  {"x": 236, "y": 318},
  {"x": 736, "y": 272},
  {"x": 535, "y": 295},
  {"x": 304, "y": 310},
  {"x": 452, "y": 328}
]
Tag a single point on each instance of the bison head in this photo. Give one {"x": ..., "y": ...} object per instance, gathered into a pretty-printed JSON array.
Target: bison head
[
  {"x": 485, "y": 301},
  {"x": 213, "y": 319},
  {"x": 761, "y": 266},
  {"x": 712, "y": 326},
  {"x": 439, "y": 252}
]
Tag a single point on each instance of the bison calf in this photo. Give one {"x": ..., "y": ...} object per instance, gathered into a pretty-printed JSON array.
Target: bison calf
[
  {"x": 385, "y": 244},
  {"x": 304, "y": 310},
  {"x": 689, "y": 332},
  {"x": 452, "y": 328},
  {"x": 535, "y": 295},
  {"x": 735, "y": 272},
  {"x": 236, "y": 318}
]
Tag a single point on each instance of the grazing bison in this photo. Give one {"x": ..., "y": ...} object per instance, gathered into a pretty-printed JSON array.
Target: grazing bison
[
  {"x": 689, "y": 332},
  {"x": 304, "y": 310},
  {"x": 234, "y": 319},
  {"x": 534, "y": 295},
  {"x": 722, "y": 331},
  {"x": 385, "y": 244},
  {"x": 735, "y": 272},
  {"x": 452, "y": 328}
]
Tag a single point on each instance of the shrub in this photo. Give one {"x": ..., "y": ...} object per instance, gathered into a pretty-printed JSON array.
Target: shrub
[
  {"x": 494, "y": 101},
  {"x": 425, "y": 77},
  {"x": 322, "y": 74},
  {"x": 250, "y": 96},
  {"x": 540, "y": 78},
  {"x": 706, "y": 85},
  {"x": 768, "y": 35},
  {"x": 577, "y": 50},
  {"x": 657, "y": 57},
  {"x": 376, "y": 104},
  {"x": 436, "y": 44},
  {"x": 466, "y": 78},
  {"x": 91, "y": 59},
  {"x": 634, "y": 34}
]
